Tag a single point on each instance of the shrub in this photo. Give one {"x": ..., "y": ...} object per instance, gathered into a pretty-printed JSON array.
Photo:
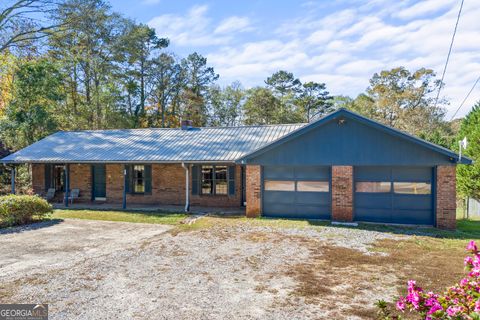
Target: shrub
[
  {"x": 18, "y": 210},
  {"x": 461, "y": 301}
]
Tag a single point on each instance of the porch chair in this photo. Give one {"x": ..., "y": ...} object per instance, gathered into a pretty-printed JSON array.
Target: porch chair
[
  {"x": 74, "y": 193},
  {"x": 50, "y": 194}
]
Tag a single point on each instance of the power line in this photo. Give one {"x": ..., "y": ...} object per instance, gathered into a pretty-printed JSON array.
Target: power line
[
  {"x": 466, "y": 97},
  {"x": 449, "y": 52}
]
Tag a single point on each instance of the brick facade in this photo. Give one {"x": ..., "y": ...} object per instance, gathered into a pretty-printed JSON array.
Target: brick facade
[
  {"x": 342, "y": 193},
  {"x": 446, "y": 197},
  {"x": 168, "y": 186},
  {"x": 38, "y": 178},
  {"x": 253, "y": 191}
]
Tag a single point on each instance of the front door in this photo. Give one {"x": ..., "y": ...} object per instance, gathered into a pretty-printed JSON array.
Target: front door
[{"x": 99, "y": 183}]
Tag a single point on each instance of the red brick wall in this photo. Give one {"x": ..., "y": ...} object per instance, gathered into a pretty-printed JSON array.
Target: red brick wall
[
  {"x": 81, "y": 178},
  {"x": 446, "y": 197},
  {"x": 342, "y": 193},
  {"x": 253, "y": 191},
  {"x": 168, "y": 187},
  {"x": 38, "y": 178}
]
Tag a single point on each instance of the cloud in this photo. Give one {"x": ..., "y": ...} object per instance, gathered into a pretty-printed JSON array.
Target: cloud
[
  {"x": 151, "y": 2},
  {"x": 342, "y": 48},
  {"x": 234, "y": 24}
]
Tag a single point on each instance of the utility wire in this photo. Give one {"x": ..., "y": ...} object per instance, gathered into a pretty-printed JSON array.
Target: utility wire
[
  {"x": 466, "y": 97},
  {"x": 449, "y": 52}
]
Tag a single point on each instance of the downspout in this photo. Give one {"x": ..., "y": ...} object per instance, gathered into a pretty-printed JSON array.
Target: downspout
[
  {"x": 187, "y": 186},
  {"x": 124, "y": 194},
  {"x": 67, "y": 183}
]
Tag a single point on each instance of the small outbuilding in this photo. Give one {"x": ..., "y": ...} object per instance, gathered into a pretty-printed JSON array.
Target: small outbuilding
[{"x": 343, "y": 167}]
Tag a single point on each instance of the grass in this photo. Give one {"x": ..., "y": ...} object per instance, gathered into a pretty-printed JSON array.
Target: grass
[{"x": 123, "y": 216}]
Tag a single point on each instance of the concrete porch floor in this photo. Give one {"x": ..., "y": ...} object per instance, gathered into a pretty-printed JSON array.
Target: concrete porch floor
[{"x": 150, "y": 208}]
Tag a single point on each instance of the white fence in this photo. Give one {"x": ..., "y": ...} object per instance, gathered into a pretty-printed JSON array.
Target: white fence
[{"x": 472, "y": 208}]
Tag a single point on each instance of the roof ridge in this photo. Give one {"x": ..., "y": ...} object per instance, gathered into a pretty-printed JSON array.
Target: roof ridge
[{"x": 211, "y": 127}]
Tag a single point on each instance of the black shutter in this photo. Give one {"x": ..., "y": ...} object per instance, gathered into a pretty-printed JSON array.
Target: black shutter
[
  {"x": 231, "y": 180},
  {"x": 195, "y": 179},
  {"x": 128, "y": 169},
  {"x": 148, "y": 179},
  {"x": 48, "y": 176}
]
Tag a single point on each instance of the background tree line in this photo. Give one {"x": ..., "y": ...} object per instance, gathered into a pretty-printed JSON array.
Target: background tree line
[{"x": 84, "y": 66}]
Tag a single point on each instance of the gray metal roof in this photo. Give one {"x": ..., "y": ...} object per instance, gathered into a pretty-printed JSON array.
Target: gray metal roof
[{"x": 211, "y": 144}]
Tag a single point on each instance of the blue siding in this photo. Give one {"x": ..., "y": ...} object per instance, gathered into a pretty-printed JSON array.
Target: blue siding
[{"x": 350, "y": 143}]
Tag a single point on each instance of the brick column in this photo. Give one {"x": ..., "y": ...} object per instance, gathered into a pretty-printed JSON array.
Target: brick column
[
  {"x": 342, "y": 193},
  {"x": 38, "y": 178},
  {"x": 253, "y": 191},
  {"x": 446, "y": 197}
]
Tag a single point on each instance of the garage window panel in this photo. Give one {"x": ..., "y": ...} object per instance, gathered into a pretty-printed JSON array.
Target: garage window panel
[
  {"x": 412, "y": 187},
  {"x": 279, "y": 185},
  {"x": 373, "y": 186},
  {"x": 313, "y": 186}
]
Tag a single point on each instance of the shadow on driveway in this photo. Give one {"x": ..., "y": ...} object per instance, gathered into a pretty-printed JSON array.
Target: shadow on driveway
[{"x": 31, "y": 226}]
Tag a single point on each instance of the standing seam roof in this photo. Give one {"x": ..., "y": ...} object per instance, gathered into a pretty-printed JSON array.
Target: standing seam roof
[{"x": 223, "y": 144}]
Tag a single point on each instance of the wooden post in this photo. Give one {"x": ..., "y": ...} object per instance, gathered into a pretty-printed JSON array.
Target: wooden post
[
  {"x": 67, "y": 183},
  {"x": 124, "y": 203},
  {"x": 13, "y": 172}
]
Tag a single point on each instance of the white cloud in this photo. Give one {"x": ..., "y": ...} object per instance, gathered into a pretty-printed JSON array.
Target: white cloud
[
  {"x": 150, "y": 2},
  {"x": 424, "y": 7},
  {"x": 343, "y": 48},
  {"x": 234, "y": 24}
]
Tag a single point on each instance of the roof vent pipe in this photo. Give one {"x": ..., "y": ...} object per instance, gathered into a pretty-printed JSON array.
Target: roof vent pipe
[{"x": 187, "y": 124}]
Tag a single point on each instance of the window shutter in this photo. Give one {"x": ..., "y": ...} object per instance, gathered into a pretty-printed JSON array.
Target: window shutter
[
  {"x": 195, "y": 179},
  {"x": 148, "y": 179},
  {"x": 231, "y": 180},
  {"x": 128, "y": 168},
  {"x": 48, "y": 176}
]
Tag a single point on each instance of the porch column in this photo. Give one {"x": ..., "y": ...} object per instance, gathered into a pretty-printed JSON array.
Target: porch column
[
  {"x": 13, "y": 172},
  {"x": 67, "y": 183},
  {"x": 124, "y": 202},
  {"x": 187, "y": 186}
]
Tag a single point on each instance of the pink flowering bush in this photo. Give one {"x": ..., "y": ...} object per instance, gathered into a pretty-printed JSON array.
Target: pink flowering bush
[{"x": 461, "y": 301}]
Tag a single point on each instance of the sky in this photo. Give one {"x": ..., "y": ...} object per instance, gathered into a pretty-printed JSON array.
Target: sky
[{"x": 341, "y": 43}]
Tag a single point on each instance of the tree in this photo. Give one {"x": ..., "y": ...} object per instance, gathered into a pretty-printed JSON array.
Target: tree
[
  {"x": 283, "y": 83},
  {"x": 30, "y": 115},
  {"x": 18, "y": 26},
  {"x": 168, "y": 81},
  {"x": 226, "y": 104},
  {"x": 198, "y": 78},
  {"x": 260, "y": 107},
  {"x": 404, "y": 100},
  {"x": 314, "y": 100},
  {"x": 468, "y": 176},
  {"x": 134, "y": 48}
]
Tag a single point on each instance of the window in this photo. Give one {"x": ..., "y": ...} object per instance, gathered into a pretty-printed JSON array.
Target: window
[
  {"x": 138, "y": 179},
  {"x": 214, "y": 180},
  {"x": 220, "y": 180},
  {"x": 412, "y": 187},
  {"x": 313, "y": 186},
  {"x": 273, "y": 185},
  {"x": 372, "y": 186}
]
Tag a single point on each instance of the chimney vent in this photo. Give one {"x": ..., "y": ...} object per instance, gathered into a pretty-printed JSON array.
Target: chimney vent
[{"x": 187, "y": 124}]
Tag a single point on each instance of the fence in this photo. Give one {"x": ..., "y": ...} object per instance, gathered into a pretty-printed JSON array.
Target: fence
[{"x": 470, "y": 209}]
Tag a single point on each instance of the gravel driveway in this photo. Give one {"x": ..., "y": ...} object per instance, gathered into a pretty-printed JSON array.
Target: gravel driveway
[{"x": 114, "y": 270}]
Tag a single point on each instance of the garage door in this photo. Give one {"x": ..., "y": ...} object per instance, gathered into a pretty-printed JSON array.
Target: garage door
[
  {"x": 394, "y": 195},
  {"x": 296, "y": 192}
]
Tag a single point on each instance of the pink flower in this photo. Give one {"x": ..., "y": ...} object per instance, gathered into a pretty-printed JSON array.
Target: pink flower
[
  {"x": 435, "y": 308},
  {"x": 472, "y": 246},
  {"x": 401, "y": 304},
  {"x": 453, "y": 310},
  {"x": 464, "y": 282},
  {"x": 477, "y": 306},
  {"x": 468, "y": 261}
]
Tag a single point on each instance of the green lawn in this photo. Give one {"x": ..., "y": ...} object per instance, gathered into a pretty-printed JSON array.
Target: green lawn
[{"x": 124, "y": 216}]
